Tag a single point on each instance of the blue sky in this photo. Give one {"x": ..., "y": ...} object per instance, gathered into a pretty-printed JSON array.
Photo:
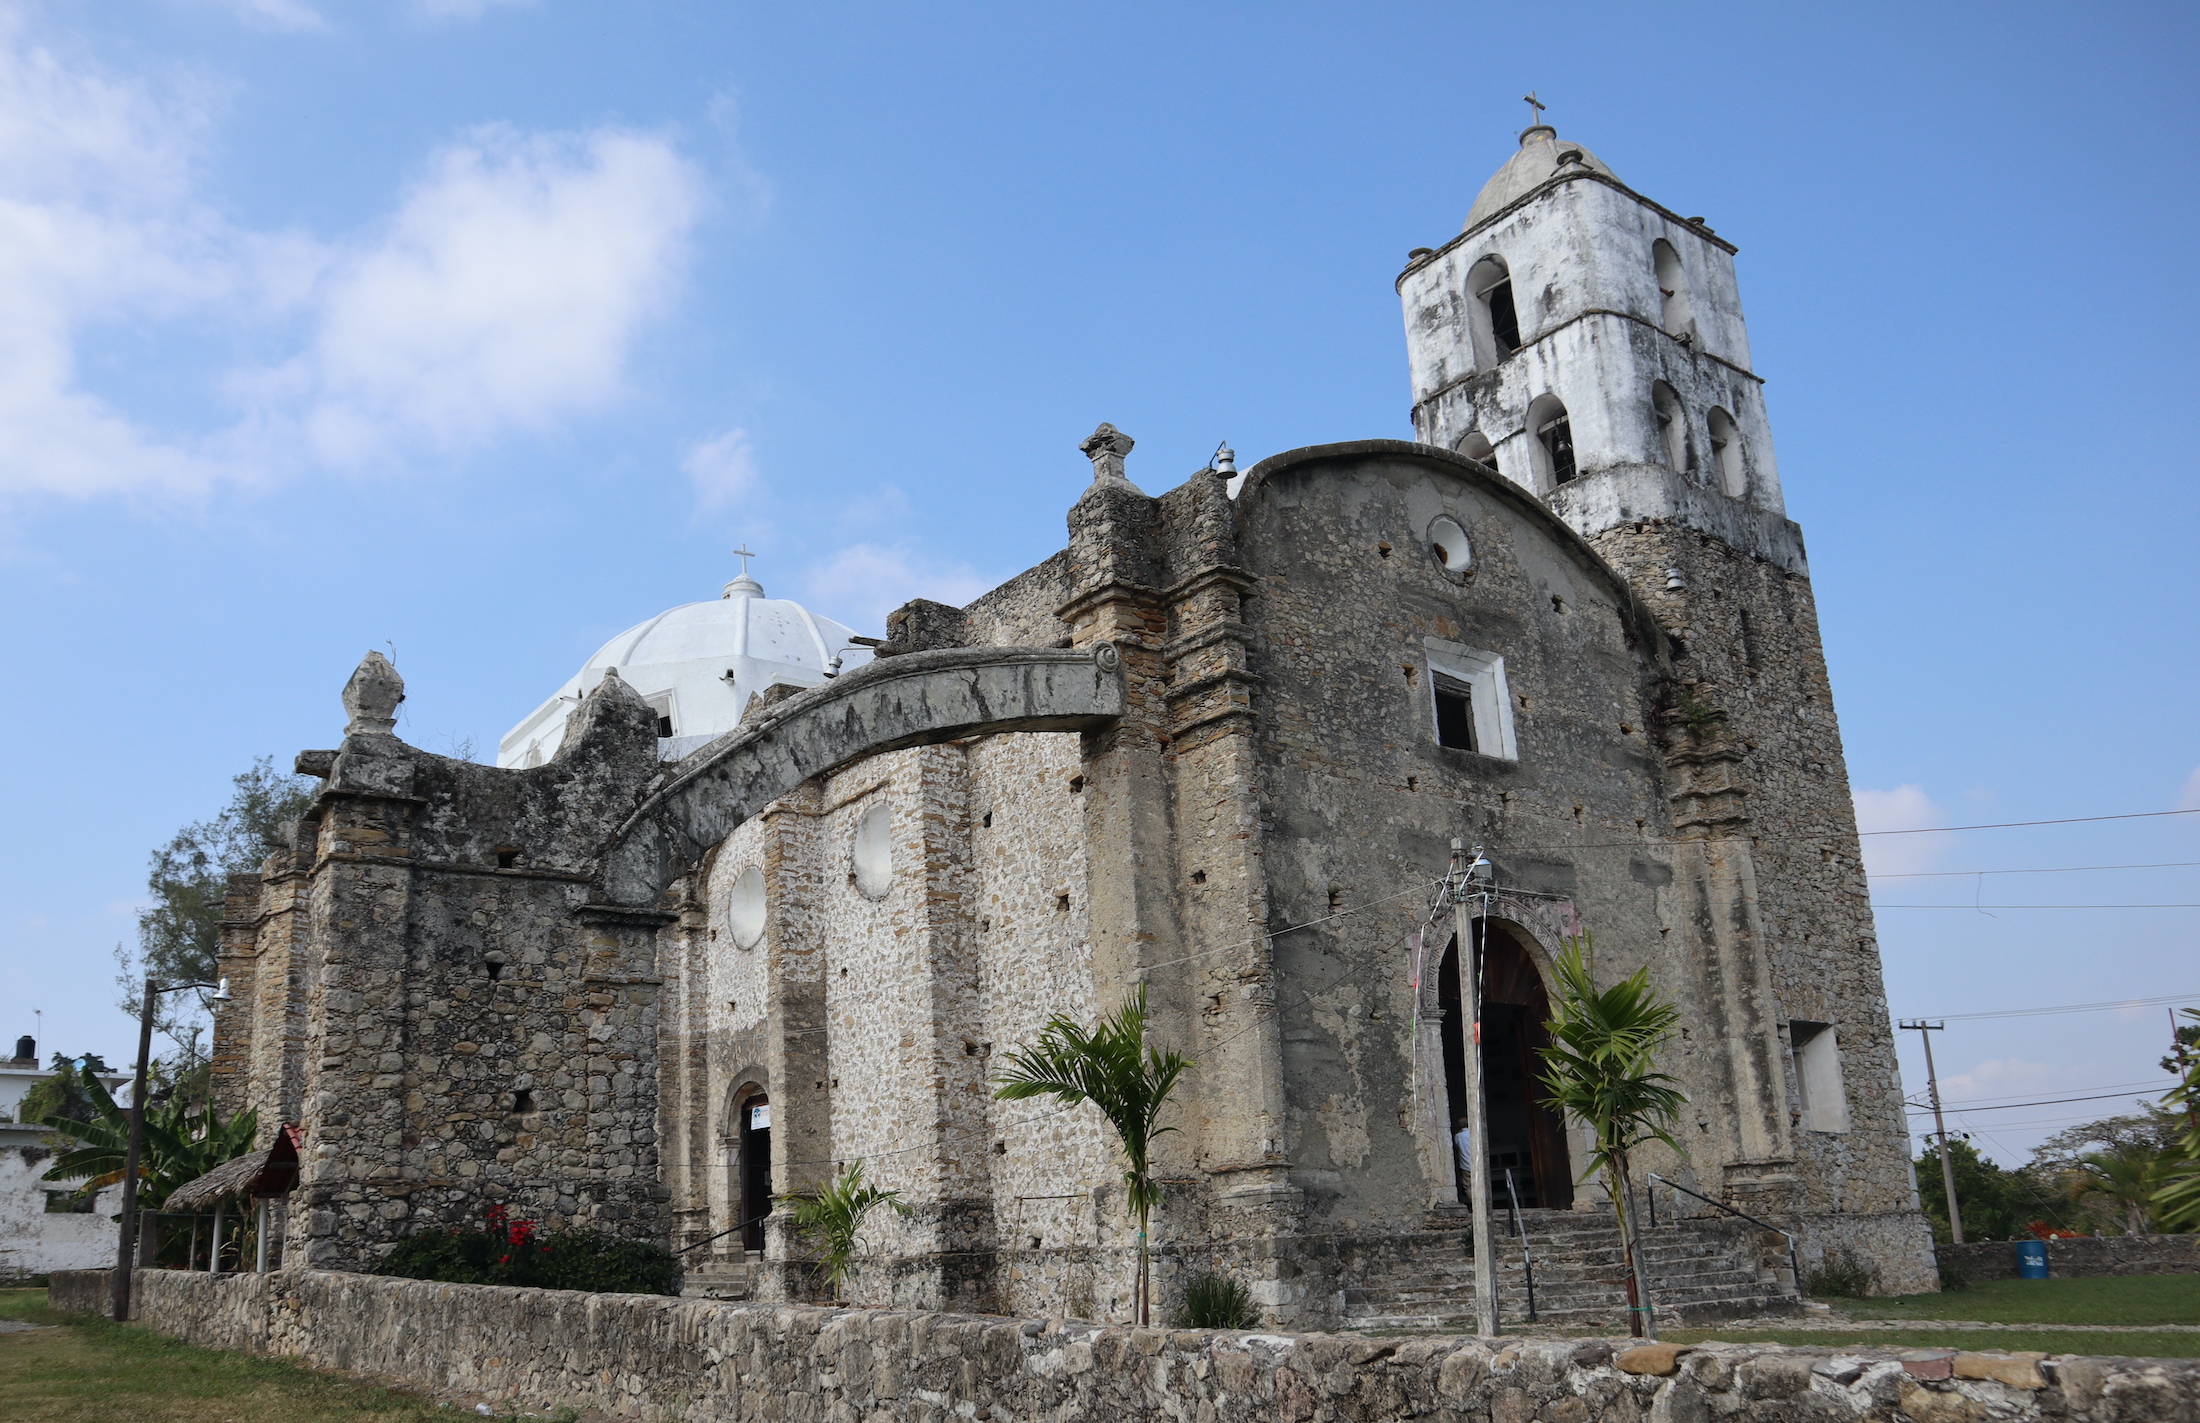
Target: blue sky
[{"x": 483, "y": 330}]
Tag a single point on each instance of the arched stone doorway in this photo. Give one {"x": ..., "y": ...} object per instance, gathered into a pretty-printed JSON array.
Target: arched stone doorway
[
  {"x": 1524, "y": 1136},
  {"x": 752, "y": 1158}
]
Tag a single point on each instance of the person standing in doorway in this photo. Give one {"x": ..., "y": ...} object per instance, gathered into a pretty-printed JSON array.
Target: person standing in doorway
[{"x": 1462, "y": 1156}]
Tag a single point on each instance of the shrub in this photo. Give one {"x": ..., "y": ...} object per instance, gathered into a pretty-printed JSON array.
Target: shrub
[
  {"x": 1954, "y": 1275},
  {"x": 1216, "y": 1302},
  {"x": 1841, "y": 1274},
  {"x": 513, "y": 1252}
]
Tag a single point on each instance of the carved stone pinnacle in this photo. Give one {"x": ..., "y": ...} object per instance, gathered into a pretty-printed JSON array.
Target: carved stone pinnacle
[
  {"x": 1106, "y": 447},
  {"x": 371, "y": 697}
]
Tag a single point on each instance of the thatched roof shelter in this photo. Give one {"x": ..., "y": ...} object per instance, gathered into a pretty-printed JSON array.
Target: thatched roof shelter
[{"x": 256, "y": 1173}]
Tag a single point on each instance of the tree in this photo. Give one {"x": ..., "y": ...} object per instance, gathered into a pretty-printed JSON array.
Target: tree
[
  {"x": 1112, "y": 1067},
  {"x": 2123, "y": 1180},
  {"x": 1600, "y": 1068},
  {"x": 179, "y": 934},
  {"x": 2150, "y": 1127},
  {"x": 1997, "y": 1203},
  {"x": 182, "y": 1142},
  {"x": 830, "y": 1217}
]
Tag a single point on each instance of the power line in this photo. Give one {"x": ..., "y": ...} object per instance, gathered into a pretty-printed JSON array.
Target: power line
[
  {"x": 2045, "y": 870},
  {"x": 1878, "y": 906},
  {"x": 2170, "y": 998},
  {"x": 2019, "y": 824},
  {"x": 2012, "y": 1106},
  {"x": 2012, "y": 1096},
  {"x": 1649, "y": 840}
]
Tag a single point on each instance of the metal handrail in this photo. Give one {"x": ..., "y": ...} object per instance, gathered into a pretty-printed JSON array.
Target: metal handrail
[
  {"x": 1795, "y": 1268},
  {"x": 744, "y": 1225},
  {"x": 1527, "y": 1261}
]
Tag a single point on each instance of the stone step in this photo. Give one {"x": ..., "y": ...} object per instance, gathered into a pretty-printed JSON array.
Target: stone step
[
  {"x": 1693, "y": 1274},
  {"x": 716, "y": 1279}
]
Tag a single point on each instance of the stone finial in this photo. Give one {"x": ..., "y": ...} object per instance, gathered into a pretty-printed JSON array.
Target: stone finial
[
  {"x": 1106, "y": 447},
  {"x": 371, "y": 697}
]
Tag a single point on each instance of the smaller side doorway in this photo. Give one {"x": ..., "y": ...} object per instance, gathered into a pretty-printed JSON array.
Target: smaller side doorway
[{"x": 756, "y": 1169}]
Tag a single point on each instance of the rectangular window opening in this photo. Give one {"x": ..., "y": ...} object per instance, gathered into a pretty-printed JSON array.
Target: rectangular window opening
[
  {"x": 1454, "y": 712},
  {"x": 1820, "y": 1092},
  {"x": 1469, "y": 700}
]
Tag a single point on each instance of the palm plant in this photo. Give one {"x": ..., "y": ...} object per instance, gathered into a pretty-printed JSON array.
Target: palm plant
[
  {"x": 1111, "y": 1066},
  {"x": 1599, "y": 1067},
  {"x": 2177, "y": 1200},
  {"x": 2122, "y": 1179},
  {"x": 182, "y": 1143},
  {"x": 830, "y": 1217}
]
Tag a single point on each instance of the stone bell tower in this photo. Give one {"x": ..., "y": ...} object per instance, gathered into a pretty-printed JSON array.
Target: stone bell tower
[{"x": 1588, "y": 343}]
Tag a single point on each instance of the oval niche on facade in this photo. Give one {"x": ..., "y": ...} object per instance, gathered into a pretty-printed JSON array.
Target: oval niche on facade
[
  {"x": 745, "y": 908},
  {"x": 874, "y": 852}
]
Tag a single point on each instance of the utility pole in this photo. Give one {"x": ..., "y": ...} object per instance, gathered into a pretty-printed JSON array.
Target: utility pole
[
  {"x": 1470, "y": 1005},
  {"x": 1926, "y": 1030},
  {"x": 126, "y": 1247}
]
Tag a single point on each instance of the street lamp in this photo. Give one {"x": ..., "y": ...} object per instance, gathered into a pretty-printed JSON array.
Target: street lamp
[{"x": 137, "y": 1135}]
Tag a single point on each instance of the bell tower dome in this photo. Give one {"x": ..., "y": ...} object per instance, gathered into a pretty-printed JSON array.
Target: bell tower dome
[{"x": 1589, "y": 344}]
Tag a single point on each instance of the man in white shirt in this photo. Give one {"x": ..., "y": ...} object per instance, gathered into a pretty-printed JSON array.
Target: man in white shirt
[{"x": 1462, "y": 1157}]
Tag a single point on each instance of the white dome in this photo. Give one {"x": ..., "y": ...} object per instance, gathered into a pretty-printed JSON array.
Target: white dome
[
  {"x": 1541, "y": 158},
  {"x": 698, "y": 665}
]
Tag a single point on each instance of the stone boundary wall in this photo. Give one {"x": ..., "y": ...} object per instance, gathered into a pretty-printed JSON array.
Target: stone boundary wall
[
  {"x": 2080, "y": 1256},
  {"x": 667, "y": 1360}
]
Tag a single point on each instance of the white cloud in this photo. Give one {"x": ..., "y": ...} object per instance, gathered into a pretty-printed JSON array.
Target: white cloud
[
  {"x": 2189, "y": 797},
  {"x": 459, "y": 10},
  {"x": 286, "y": 15},
  {"x": 723, "y": 470},
  {"x": 1998, "y": 1077},
  {"x": 1903, "y": 808},
  {"x": 864, "y": 582},
  {"x": 97, "y": 224},
  {"x": 505, "y": 294},
  {"x": 505, "y": 291}
]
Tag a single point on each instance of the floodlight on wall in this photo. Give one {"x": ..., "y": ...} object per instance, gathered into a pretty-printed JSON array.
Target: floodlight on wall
[
  {"x": 221, "y": 992},
  {"x": 1224, "y": 463},
  {"x": 1674, "y": 580}
]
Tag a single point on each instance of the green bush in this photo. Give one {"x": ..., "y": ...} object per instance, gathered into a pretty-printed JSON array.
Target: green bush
[
  {"x": 1841, "y": 1274},
  {"x": 509, "y": 1252},
  {"x": 1216, "y": 1302},
  {"x": 1954, "y": 1275}
]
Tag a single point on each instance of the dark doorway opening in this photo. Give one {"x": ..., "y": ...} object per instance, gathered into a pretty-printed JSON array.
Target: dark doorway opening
[
  {"x": 756, "y": 1169},
  {"x": 1524, "y": 1136}
]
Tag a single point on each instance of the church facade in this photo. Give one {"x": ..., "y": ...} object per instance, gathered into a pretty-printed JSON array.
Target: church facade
[{"x": 653, "y": 976}]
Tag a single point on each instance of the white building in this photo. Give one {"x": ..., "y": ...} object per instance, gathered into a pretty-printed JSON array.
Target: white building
[
  {"x": 698, "y": 665},
  {"x": 41, "y": 1228}
]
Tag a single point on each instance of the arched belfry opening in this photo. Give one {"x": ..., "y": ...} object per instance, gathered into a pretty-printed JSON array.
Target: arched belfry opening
[
  {"x": 1524, "y": 1137},
  {"x": 752, "y": 1165}
]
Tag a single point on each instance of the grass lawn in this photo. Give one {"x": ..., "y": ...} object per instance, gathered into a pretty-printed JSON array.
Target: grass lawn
[
  {"x": 2134, "y": 1345},
  {"x": 90, "y": 1370},
  {"x": 2127, "y": 1299}
]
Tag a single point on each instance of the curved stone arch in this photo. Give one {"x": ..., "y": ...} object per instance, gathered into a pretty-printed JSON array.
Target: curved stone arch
[
  {"x": 1545, "y": 925},
  {"x": 914, "y": 699},
  {"x": 752, "y": 1080}
]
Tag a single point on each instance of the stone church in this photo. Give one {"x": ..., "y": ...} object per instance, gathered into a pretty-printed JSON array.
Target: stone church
[{"x": 753, "y": 897}]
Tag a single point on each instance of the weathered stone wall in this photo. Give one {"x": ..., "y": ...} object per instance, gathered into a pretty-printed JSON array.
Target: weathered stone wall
[
  {"x": 2084, "y": 1255},
  {"x": 1749, "y": 653},
  {"x": 651, "y": 1358}
]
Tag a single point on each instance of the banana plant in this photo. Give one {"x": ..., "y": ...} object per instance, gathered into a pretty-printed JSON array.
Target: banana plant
[{"x": 182, "y": 1143}]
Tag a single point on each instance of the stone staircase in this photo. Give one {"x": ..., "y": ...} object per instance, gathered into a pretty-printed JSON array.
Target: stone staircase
[
  {"x": 1697, "y": 1270},
  {"x": 718, "y": 1277}
]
